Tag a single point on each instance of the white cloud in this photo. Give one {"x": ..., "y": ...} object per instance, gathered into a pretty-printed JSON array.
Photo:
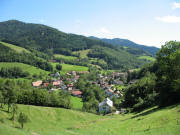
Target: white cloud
[
  {"x": 104, "y": 30},
  {"x": 42, "y": 20},
  {"x": 175, "y": 5},
  {"x": 169, "y": 19}
]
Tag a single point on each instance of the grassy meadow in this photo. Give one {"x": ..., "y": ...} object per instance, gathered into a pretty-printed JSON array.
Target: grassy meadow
[
  {"x": 149, "y": 58},
  {"x": 65, "y": 57},
  {"x": 77, "y": 103},
  {"x": 68, "y": 67},
  {"x": 15, "y": 48},
  {"x": 58, "y": 121},
  {"x": 83, "y": 53}
]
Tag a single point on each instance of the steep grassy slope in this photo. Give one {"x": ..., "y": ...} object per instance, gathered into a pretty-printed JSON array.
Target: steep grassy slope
[
  {"x": 31, "y": 69},
  {"x": 14, "y": 47},
  {"x": 56, "y": 121}
]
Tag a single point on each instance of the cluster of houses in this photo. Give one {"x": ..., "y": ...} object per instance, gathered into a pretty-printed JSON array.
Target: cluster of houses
[
  {"x": 106, "y": 82},
  {"x": 58, "y": 83}
]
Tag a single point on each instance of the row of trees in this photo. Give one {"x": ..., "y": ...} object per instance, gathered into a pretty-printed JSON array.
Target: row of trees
[{"x": 13, "y": 92}]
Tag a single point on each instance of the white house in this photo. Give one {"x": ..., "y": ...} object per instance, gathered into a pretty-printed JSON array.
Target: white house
[{"x": 105, "y": 106}]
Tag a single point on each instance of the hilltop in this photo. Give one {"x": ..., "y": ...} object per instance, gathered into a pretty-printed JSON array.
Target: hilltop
[{"x": 128, "y": 44}]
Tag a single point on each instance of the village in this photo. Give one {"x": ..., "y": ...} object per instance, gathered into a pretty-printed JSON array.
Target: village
[{"x": 112, "y": 84}]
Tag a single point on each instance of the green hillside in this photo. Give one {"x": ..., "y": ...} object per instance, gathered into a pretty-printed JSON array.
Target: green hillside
[
  {"x": 31, "y": 69},
  {"x": 57, "y": 121},
  {"x": 51, "y": 41},
  {"x": 14, "y": 47}
]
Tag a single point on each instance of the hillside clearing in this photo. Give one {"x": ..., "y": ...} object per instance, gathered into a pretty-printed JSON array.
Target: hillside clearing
[
  {"x": 65, "y": 57},
  {"x": 27, "y": 68},
  {"x": 68, "y": 67},
  {"x": 147, "y": 58},
  {"x": 82, "y": 53},
  {"x": 14, "y": 47}
]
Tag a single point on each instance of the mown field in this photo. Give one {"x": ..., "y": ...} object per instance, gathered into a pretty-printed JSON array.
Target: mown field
[
  {"x": 58, "y": 121},
  {"x": 65, "y": 57},
  {"x": 68, "y": 67},
  {"x": 31, "y": 69},
  {"x": 83, "y": 53},
  {"x": 16, "y": 48},
  {"x": 147, "y": 58}
]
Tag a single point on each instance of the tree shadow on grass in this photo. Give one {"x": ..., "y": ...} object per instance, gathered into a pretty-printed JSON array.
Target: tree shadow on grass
[
  {"x": 155, "y": 109},
  {"x": 2, "y": 109},
  {"x": 146, "y": 113}
]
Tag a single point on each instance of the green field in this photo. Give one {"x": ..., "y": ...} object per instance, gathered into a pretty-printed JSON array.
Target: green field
[
  {"x": 68, "y": 67},
  {"x": 57, "y": 121},
  {"x": 147, "y": 58},
  {"x": 65, "y": 57},
  {"x": 83, "y": 53},
  {"x": 16, "y": 48},
  {"x": 77, "y": 103},
  {"x": 32, "y": 70}
]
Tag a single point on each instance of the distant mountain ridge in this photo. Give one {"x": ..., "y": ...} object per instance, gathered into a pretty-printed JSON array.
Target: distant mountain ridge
[{"x": 127, "y": 43}]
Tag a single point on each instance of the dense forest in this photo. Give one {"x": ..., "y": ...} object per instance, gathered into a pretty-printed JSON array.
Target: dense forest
[
  {"x": 159, "y": 82},
  {"x": 47, "y": 40}
]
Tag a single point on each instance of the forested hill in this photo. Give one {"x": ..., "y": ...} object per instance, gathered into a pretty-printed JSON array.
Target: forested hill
[
  {"x": 52, "y": 41},
  {"x": 127, "y": 43}
]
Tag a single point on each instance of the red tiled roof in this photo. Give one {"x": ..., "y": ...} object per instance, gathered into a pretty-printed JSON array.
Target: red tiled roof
[{"x": 76, "y": 93}]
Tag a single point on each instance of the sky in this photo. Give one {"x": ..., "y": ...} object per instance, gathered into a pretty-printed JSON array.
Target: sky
[{"x": 148, "y": 22}]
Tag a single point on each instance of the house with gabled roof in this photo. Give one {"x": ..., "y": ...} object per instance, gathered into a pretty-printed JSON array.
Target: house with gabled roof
[{"x": 105, "y": 106}]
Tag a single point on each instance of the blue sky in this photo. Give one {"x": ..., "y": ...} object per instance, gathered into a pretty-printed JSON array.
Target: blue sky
[{"x": 149, "y": 22}]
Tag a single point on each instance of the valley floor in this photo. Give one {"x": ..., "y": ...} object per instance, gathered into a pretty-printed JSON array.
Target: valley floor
[{"x": 58, "y": 121}]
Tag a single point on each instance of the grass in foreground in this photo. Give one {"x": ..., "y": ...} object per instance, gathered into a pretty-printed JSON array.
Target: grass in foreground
[
  {"x": 14, "y": 47},
  {"x": 58, "y": 121}
]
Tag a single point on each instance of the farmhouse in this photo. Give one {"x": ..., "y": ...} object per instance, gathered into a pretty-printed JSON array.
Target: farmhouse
[
  {"x": 77, "y": 93},
  {"x": 37, "y": 83},
  {"x": 105, "y": 106}
]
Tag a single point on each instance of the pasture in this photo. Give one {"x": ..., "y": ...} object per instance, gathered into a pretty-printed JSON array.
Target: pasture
[{"x": 58, "y": 121}]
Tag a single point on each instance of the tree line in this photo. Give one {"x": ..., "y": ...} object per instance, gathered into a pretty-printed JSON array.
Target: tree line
[{"x": 21, "y": 92}]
